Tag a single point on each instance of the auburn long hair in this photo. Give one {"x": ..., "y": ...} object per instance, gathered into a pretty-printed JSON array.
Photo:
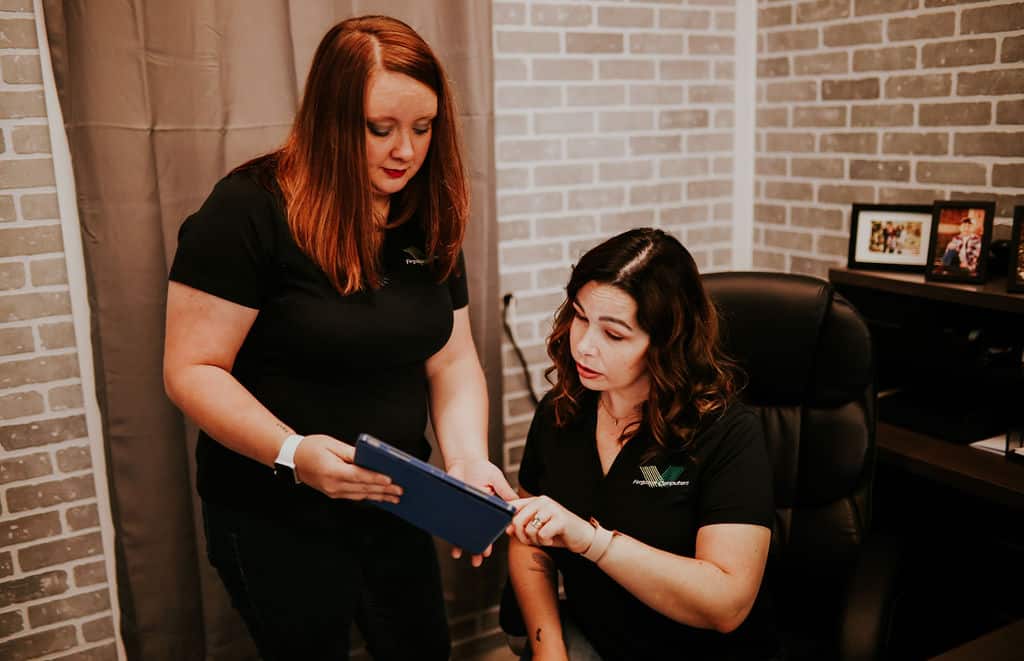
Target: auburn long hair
[
  {"x": 690, "y": 377},
  {"x": 321, "y": 168}
]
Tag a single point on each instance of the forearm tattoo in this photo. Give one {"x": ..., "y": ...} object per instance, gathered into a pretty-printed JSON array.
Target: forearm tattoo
[{"x": 542, "y": 564}]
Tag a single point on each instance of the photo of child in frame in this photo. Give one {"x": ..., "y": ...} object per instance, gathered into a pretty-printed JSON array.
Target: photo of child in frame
[
  {"x": 1015, "y": 276},
  {"x": 960, "y": 236}
]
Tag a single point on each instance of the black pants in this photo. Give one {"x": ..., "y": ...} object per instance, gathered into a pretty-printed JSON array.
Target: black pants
[{"x": 299, "y": 590}]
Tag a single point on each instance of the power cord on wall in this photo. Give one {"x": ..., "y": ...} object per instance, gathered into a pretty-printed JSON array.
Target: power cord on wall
[{"x": 506, "y": 301}]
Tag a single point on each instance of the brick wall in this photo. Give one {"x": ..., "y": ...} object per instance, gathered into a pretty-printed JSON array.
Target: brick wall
[
  {"x": 608, "y": 116},
  {"x": 54, "y": 591},
  {"x": 900, "y": 101}
]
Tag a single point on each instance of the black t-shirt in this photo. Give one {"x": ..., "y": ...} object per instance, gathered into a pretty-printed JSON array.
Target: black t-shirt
[
  {"x": 321, "y": 362},
  {"x": 661, "y": 500}
]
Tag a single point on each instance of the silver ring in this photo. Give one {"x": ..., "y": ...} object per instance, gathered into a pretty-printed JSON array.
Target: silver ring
[{"x": 536, "y": 522}]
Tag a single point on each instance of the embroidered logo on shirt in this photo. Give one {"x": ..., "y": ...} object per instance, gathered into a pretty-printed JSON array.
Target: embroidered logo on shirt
[
  {"x": 416, "y": 256},
  {"x": 654, "y": 478}
]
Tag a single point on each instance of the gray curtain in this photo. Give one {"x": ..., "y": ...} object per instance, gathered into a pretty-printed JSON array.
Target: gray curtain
[{"x": 160, "y": 100}]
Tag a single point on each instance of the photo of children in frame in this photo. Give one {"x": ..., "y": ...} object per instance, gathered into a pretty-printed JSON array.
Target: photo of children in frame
[
  {"x": 961, "y": 232},
  {"x": 889, "y": 237},
  {"x": 1015, "y": 277}
]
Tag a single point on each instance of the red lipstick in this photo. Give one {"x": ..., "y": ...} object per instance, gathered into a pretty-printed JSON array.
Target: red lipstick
[
  {"x": 587, "y": 373},
  {"x": 394, "y": 174}
]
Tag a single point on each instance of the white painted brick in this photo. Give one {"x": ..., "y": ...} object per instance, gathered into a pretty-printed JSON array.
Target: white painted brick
[
  {"x": 683, "y": 167},
  {"x": 683, "y": 119},
  {"x": 626, "y": 120},
  {"x": 670, "y": 191},
  {"x": 613, "y": 223},
  {"x": 539, "y": 304},
  {"x": 507, "y": 68},
  {"x": 711, "y": 93},
  {"x": 513, "y": 230},
  {"x": 561, "y": 15},
  {"x": 689, "y": 69},
  {"x": 596, "y": 198},
  {"x": 596, "y": 147},
  {"x": 706, "y": 142},
  {"x": 515, "y": 281},
  {"x": 513, "y": 178},
  {"x": 660, "y": 144},
  {"x": 508, "y": 13},
  {"x": 626, "y": 170},
  {"x": 557, "y": 276},
  {"x": 656, "y": 94},
  {"x": 527, "y": 42},
  {"x": 656, "y": 42},
  {"x": 596, "y": 95},
  {"x": 709, "y": 188},
  {"x": 511, "y": 125},
  {"x": 577, "y": 248},
  {"x": 699, "y": 44},
  {"x": 529, "y": 203},
  {"x": 567, "y": 226},
  {"x": 626, "y": 17},
  {"x": 565, "y": 174},
  {"x": 537, "y": 253},
  {"x": 684, "y": 214},
  {"x": 563, "y": 122},
  {"x": 529, "y": 150},
  {"x": 563, "y": 69},
  {"x": 594, "y": 42},
  {"x": 632, "y": 69},
  {"x": 687, "y": 19},
  {"x": 704, "y": 235},
  {"x": 526, "y": 96}
]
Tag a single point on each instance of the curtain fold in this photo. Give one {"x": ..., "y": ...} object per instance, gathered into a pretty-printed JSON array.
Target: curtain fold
[{"x": 160, "y": 100}]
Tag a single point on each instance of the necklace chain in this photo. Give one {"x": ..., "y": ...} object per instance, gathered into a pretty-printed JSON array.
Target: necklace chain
[{"x": 604, "y": 405}]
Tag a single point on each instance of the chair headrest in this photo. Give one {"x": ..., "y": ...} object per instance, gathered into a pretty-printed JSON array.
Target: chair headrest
[{"x": 798, "y": 340}]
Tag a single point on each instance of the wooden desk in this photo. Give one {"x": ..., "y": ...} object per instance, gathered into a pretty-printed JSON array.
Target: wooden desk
[
  {"x": 967, "y": 469},
  {"x": 976, "y": 472},
  {"x": 999, "y": 645},
  {"x": 991, "y": 295}
]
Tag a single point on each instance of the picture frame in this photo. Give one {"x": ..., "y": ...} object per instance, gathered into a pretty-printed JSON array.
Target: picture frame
[
  {"x": 961, "y": 234},
  {"x": 890, "y": 237},
  {"x": 1015, "y": 273}
]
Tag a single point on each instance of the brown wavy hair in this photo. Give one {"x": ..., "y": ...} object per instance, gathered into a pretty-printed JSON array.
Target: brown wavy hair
[
  {"x": 690, "y": 376},
  {"x": 321, "y": 168}
]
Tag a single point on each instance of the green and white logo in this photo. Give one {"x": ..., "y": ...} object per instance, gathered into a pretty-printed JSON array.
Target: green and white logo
[
  {"x": 416, "y": 256},
  {"x": 667, "y": 478}
]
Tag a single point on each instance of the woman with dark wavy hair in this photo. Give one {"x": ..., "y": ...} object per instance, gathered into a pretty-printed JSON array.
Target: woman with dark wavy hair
[
  {"x": 320, "y": 292},
  {"x": 643, "y": 432}
]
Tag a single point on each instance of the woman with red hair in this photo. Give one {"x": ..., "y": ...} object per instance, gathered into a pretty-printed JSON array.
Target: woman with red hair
[{"x": 320, "y": 292}]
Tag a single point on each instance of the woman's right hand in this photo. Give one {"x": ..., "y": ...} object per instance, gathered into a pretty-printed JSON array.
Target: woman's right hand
[{"x": 326, "y": 464}]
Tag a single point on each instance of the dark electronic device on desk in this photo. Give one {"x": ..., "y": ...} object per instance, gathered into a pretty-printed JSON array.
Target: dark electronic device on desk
[{"x": 434, "y": 500}]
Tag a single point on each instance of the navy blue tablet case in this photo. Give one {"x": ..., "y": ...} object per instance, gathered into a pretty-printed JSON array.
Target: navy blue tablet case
[{"x": 435, "y": 501}]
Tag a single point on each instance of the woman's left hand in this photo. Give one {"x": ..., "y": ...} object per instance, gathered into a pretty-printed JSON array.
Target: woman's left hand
[
  {"x": 541, "y": 521},
  {"x": 486, "y": 476}
]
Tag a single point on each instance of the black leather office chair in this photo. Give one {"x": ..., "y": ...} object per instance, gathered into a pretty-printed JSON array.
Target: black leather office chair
[{"x": 808, "y": 358}]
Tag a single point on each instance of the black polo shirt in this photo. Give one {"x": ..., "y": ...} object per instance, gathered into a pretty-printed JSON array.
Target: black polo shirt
[
  {"x": 661, "y": 500},
  {"x": 321, "y": 362}
]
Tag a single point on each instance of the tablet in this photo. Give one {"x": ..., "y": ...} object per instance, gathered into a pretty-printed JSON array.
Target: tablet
[{"x": 433, "y": 500}]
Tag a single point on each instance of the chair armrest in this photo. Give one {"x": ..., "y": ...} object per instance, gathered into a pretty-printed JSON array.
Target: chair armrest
[{"x": 870, "y": 599}]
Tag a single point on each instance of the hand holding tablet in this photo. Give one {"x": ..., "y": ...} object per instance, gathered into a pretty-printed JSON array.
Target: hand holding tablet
[{"x": 435, "y": 501}]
